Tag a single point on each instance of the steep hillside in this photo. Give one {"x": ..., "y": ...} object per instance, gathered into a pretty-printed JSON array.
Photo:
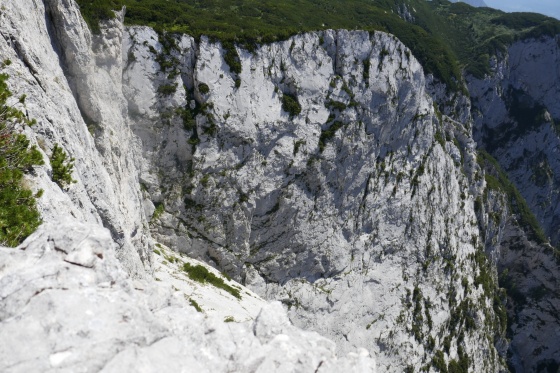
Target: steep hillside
[
  {"x": 515, "y": 111},
  {"x": 334, "y": 171}
]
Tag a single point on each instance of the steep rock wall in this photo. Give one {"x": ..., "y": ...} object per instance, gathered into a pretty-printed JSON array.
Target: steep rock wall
[
  {"x": 70, "y": 78},
  {"x": 364, "y": 197},
  {"x": 516, "y": 112},
  {"x": 358, "y": 212}
]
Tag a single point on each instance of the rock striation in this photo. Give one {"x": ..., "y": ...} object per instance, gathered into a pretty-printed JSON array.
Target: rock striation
[
  {"x": 71, "y": 79},
  {"x": 356, "y": 209}
]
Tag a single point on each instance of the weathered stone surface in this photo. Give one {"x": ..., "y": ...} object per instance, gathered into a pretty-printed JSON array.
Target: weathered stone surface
[
  {"x": 65, "y": 316},
  {"x": 516, "y": 112},
  {"x": 342, "y": 227},
  {"x": 73, "y": 85}
]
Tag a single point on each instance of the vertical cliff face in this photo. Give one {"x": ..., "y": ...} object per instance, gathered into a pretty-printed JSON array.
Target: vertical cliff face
[
  {"x": 73, "y": 83},
  {"x": 516, "y": 112},
  {"x": 318, "y": 171}
]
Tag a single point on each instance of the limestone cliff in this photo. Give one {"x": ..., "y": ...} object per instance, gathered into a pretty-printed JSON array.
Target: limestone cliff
[
  {"x": 325, "y": 171},
  {"x": 72, "y": 81}
]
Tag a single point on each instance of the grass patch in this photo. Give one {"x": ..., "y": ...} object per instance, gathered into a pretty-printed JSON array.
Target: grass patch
[
  {"x": 200, "y": 274},
  {"x": 195, "y": 305}
]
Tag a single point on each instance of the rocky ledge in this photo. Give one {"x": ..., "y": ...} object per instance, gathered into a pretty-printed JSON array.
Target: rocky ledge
[{"x": 65, "y": 294}]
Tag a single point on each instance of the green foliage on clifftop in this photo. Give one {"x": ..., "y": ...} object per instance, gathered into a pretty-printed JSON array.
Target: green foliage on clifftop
[{"x": 446, "y": 37}]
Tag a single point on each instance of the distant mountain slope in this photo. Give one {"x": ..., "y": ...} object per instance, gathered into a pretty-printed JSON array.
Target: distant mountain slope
[{"x": 477, "y": 3}]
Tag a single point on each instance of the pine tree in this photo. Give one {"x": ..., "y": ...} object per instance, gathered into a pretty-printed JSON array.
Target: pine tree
[
  {"x": 19, "y": 216},
  {"x": 62, "y": 167}
]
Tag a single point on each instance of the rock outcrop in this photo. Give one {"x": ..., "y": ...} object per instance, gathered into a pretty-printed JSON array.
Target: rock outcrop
[
  {"x": 516, "y": 112},
  {"x": 67, "y": 306},
  {"x": 72, "y": 83},
  {"x": 319, "y": 172}
]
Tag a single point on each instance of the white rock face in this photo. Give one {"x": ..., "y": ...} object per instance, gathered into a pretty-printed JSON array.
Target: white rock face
[
  {"x": 210, "y": 299},
  {"x": 357, "y": 211},
  {"x": 68, "y": 306},
  {"x": 365, "y": 232},
  {"x": 40, "y": 40}
]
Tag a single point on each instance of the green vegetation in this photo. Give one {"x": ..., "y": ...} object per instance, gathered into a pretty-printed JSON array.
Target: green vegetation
[
  {"x": 195, "y": 305},
  {"x": 446, "y": 37},
  {"x": 290, "y": 104},
  {"x": 167, "y": 89},
  {"x": 232, "y": 58},
  {"x": 335, "y": 105},
  {"x": 437, "y": 38},
  {"x": 438, "y": 362},
  {"x": 200, "y": 274},
  {"x": 440, "y": 139},
  {"x": 417, "y": 318},
  {"x": 328, "y": 134},
  {"x": 19, "y": 216},
  {"x": 496, "y": 179},
  {"x": 94, "y": 11},
  {"x": 158, "y": 211},
  {"x": 203, "y": 88},
  {"x": 62, "y": 167}
]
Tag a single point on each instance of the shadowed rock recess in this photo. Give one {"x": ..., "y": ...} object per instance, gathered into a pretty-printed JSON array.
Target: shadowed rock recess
[{"x": 326, "y": 173}]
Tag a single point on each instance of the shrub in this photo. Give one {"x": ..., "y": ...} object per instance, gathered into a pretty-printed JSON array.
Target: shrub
[
  {"x": 167, "y": 89},
  {"x": 158, "y": 211},
  {"x": 19, "y": 216},
  {"x": 328, "y": 134},
  {"x": 438, "y": 362},
  {"x": 290, "y": 104},
  {"x": 440, "y": 139},
  {"x": 337, "y": 105},
  {"x": 365, "y": 73},
  {"x": 201, "y": 274},
  {"x": 62, "y": 167},
  {"x": 232, "y": 58},
  {"x": 203, "y": 88}
]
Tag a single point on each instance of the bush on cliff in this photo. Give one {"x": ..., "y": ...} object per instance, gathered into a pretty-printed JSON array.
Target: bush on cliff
[{"x": 19, "y": 216}]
